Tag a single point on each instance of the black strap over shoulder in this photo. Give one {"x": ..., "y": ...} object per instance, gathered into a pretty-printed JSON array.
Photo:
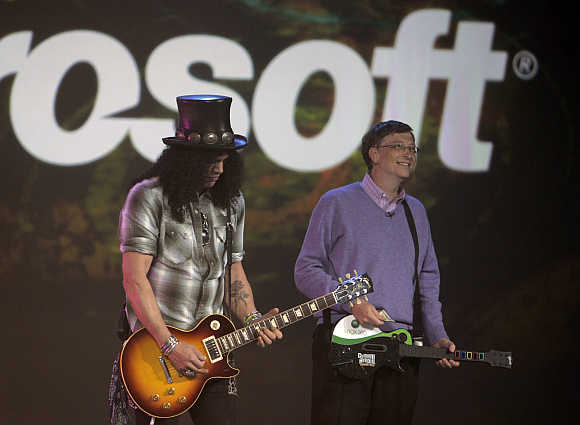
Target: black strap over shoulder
[{"x": 417, "y": 330}]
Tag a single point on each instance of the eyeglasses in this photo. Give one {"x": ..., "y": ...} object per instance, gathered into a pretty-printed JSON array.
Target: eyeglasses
[{"x": 399, "y": 147}]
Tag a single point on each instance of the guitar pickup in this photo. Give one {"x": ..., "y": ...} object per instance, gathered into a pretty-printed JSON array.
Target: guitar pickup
[{"x": 212, "y": 349}]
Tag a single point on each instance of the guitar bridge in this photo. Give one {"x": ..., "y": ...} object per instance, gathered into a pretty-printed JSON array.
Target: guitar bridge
[
  {"x": 212, "y": 349},
  {"x": 165, "y": 370}
]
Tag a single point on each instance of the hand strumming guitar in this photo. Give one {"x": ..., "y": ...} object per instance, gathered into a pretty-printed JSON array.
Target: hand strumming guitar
[
  {"x": 366, "y": 313},
  {"x": 186, "y": 357}
]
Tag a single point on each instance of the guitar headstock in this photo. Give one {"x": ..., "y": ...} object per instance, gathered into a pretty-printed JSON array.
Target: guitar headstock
[
  {"x": 353, "y": 287},
  {"x": 499, "y": 359}
]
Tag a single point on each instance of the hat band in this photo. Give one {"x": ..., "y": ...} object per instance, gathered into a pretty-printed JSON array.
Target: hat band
[{"x": 209, "y": 138}]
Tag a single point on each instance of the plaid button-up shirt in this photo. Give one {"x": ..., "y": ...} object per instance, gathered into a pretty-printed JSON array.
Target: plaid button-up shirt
[{"x": 187, "y": 272}]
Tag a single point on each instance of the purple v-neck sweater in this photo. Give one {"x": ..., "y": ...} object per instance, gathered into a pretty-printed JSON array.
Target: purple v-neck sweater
[{"x": 349, "y": 231}]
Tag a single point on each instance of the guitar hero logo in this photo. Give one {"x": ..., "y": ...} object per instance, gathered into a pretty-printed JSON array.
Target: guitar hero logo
[{"x": 408, "y": 66}]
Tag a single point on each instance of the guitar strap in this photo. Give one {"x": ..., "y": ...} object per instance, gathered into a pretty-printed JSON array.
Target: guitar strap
[
  {"x": 417, "y": 328},
  {"x": 232, "y": 382}
]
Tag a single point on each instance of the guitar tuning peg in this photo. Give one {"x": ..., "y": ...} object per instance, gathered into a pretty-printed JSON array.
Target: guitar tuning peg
[
  {"x": 355, "y": 272},
  {"x": 350, "y": 304},
  {"x": 348, "y": 275},
  {"x": 340, "y": 279}
]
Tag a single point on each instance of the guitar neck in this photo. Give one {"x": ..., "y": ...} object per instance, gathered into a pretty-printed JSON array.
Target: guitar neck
[
  {"x": 494, "y": 358},
  {"x": 424, "y": 352},
  {"x": 250, "y": 333}
]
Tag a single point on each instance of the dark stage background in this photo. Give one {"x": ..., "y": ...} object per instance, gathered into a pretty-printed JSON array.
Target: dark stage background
[{"x": 87, "y": 90}]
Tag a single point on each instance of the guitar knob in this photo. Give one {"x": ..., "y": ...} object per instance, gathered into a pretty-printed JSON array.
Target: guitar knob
[
  {"x": 167, "y": 405},
  {"x": 182, "y": 399},
  {"x": 155, "y": 397},
  {"x": 171, "y": 391}
]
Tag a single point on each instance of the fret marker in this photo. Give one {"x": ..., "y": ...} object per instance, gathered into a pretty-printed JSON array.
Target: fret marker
[
  {"x": 273, "y": 323},
  {"x": 313, "y": 306},
  {"x": 298, "y": 312},
  {"x": 245, "y": 334},
  {"x": 285, "y": 318}
]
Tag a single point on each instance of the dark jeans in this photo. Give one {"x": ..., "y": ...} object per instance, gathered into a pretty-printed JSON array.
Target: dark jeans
[
  {"x": 388, "y": 397},
  {"x": 213, "y": 407}
]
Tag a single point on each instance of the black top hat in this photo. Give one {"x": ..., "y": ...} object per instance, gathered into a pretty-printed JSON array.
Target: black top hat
[{"x": 204, "y": 123}]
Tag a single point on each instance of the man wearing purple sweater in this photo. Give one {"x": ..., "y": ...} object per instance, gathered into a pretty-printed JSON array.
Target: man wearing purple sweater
[{"x": 363, "y": 227}]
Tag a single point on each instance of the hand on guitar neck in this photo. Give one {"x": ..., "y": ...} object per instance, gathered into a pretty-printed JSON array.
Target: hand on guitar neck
[
  {"x": 267, "y": 336},
  {"x": 446, "y": 363}
]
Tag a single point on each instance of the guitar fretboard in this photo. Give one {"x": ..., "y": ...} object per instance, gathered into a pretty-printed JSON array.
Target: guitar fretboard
[
  {"x": 250, "y": 333},
  {"x": 440, "y": 353}
]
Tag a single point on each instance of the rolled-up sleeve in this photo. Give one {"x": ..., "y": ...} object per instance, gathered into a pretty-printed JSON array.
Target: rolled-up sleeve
[{"x": 139, "y": 222}]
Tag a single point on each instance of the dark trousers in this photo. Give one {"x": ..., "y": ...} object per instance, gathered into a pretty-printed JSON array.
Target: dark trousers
[
  {"x": 388, "y": 397},
  {"x": 213, "y": 407}
]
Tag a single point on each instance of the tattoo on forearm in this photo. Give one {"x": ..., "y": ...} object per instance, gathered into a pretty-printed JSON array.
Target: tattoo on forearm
[{"x": 239, "y": 294}]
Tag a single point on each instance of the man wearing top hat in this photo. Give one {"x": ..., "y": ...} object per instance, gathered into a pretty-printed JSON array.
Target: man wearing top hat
[{"x": 172, "y": 233}]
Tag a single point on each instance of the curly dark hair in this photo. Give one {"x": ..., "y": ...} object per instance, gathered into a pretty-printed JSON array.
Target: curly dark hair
[
  {"x": 180, "y": 171},
  {"x": 376, "y": 134}
]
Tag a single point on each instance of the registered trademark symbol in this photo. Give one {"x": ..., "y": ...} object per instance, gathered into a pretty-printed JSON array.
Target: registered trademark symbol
[{"x": 525, "y": 65}]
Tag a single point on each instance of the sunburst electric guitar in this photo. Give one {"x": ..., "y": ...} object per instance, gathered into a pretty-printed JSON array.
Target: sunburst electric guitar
[
  {"x": 358, "y": 350},
  {"x": 158, "y": 389}
]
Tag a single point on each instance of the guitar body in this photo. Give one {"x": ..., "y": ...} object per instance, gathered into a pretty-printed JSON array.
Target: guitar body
[
  {"x": 158, "y": 389},
  {"x": 152, "y": 381},
  {"x": 357, "y": 351}
]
